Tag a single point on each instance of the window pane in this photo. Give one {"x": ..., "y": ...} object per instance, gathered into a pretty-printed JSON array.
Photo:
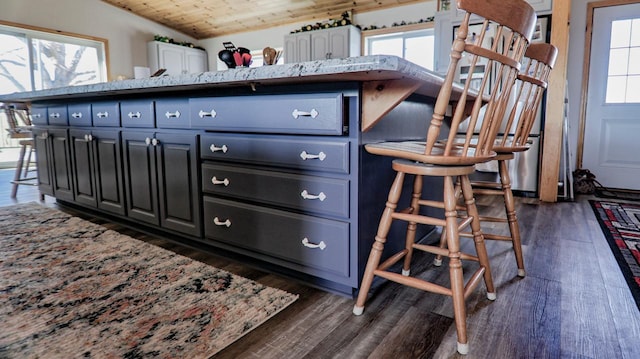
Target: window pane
[
  {"x": 616, "y": 86},
  {"x": 633, "y": 89},
  {"x": 634, "y": 61},
  {"x": 415, "y": 46},
  {"x": 391, "y": 46},
  {"x": 620, "y": 33},
  {"x": 618, "y": 60},
  {"x": 419, "y": 50},
  {"x": 635, "y": 32},
  {"x": 61, "y": 64},
  {"x": 14, "y": 60}
]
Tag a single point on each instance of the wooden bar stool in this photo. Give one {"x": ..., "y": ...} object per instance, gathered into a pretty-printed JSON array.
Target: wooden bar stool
[
  {"x": 491, "y": 58},
  {"x": 532, "y": 82},
  {"x": 20, "y": 128}
]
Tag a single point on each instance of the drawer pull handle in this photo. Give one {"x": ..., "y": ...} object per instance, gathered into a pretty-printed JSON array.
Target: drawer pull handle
[
  {"x": 217, "y": 222},
  {"x": 313, "y": 113},
  {"x": 174, "y": 114},
  {"x": 54, "y": 115},
  {"x": 203, "y": 114},
  {"x": 137, "y": 114},
  {"x": 76, "y": 115},
  {"x": 216, "y": 181},
  {"x": 88, "y": 138},
  {"x": 321, "y": 196},
  {"x": 306, "y": 243},
  {"x": 36, "y": 115},
  {"x": 306, "y": 156},
  {"x": 213, "y": 148},
  {"x": 102, "y": 114}
]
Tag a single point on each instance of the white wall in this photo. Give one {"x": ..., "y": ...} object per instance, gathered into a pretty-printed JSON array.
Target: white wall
[
  {"x": 274, "y": 37},
  {"x": 575, "y": 57},
  {"x": 127, "y": 34}
]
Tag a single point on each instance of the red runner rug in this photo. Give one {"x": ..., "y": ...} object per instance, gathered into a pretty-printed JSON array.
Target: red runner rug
[{"x": 620, "y": 223}]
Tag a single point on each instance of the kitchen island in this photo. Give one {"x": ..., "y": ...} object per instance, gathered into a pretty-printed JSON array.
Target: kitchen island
[{"x": 263, "y": 164}]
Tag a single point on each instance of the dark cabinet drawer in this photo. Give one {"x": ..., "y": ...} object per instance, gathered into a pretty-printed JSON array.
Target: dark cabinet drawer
[
  {"x": 284, "y": 151},
  {"x": 306, "y": 193},
  {"x": 58, "y": 115},
  {"x": 80, "y": 115},
  {"x": 138, "y": 113},
  {"x": 106, "y": 114},
  {"x": 173, "y": 113},
  {"x": 307, "y": 113},
  {"x": 313, "y": 243},
  {"x": 39, "y": 115}
]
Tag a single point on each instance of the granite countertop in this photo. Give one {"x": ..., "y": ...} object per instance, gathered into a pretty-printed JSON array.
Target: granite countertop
[{"x": 362, "y": 68}]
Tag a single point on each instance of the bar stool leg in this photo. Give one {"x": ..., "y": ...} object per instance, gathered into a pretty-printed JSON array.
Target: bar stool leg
[
  {"x": 512, "y": 218},
  {"x": 378, "y": 244},
  {"x": 412, "y": 226},
  {"x": 455, "y": 265},
  {"x": 478, "y": 238},
  {"x": 16, "y": 177}
]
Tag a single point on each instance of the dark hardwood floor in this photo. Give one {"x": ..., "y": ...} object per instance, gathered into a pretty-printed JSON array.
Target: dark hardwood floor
[{"x": 573, "y": 303}]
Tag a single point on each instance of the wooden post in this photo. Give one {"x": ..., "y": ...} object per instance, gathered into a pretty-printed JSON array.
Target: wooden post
[{"x": 552, "y": 145}]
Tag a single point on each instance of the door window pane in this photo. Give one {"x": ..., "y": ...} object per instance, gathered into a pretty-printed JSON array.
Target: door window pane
[
  {"x": 623, "y": 82},
  {"x": 620, "y": 32},
  {"x": 618, "y": 59}
]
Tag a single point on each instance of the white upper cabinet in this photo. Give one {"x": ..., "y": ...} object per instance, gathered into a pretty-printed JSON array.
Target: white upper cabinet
[
  {"x": 176, "y": 59},
  {"x": 332, "y": 43}
]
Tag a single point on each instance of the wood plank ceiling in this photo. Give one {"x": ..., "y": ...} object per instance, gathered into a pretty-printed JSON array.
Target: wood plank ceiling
[{"x": 203, "y": 19}]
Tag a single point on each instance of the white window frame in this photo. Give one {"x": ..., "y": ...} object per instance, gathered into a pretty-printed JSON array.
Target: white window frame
[
  {"x": 403, "y": 32},
  {"x": 31, "y": 32}
]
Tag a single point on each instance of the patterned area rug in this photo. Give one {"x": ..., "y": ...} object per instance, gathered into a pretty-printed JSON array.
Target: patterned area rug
[
  {"x": 70, "y": 288},
  {"x": 620, "y": 223}
]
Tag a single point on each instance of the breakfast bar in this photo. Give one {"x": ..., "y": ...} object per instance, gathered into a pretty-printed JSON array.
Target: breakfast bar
[{"x": 266, "y": 164}]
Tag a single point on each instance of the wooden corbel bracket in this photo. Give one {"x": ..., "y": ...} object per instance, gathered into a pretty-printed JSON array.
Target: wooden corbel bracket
[{"x": 380, "y": 97}]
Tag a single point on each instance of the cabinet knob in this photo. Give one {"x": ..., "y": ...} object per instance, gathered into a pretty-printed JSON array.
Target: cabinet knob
[
  {"x": 204, "y": 114},
  {"x": 88, "y": 137},
  {"x": 147, "y": 141},
  {"x": 136, "y": 114},
  {"x": 44, "y": 135},
  {"x": 218, "y": 222},
  {"x": 155, "y": 141},
  {"x": 321, "y": 245},
  {"x": 306, "y": 195},
  {"x": 213, "y": 148},
  {"x": 297, "y": 113},
  {"x": 172, "y": 114},
  {"x": 307, "y": 156}
]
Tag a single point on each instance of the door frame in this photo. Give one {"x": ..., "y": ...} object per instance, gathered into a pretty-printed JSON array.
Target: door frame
[{"x": 585, "y": 69}]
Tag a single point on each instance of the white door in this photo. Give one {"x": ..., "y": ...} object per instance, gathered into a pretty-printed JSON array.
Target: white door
[
  {"x": 196, "y": 61},
  {"x": 171, "y": 57},
  {"x": 612, "y": 131}
]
